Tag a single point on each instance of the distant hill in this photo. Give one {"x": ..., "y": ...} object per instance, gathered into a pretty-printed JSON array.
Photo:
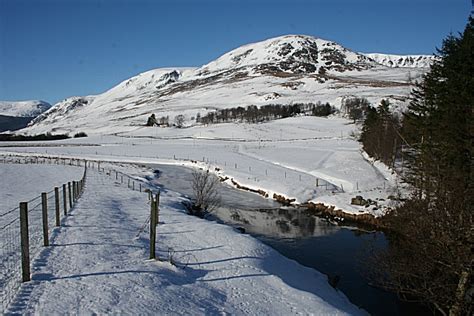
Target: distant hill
[
  {"x": 16, "y": 115},
  {"x": 31, "y": 108}
]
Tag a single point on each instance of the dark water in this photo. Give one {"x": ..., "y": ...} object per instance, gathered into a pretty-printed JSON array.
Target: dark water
[{"x": 341, "y": 253}]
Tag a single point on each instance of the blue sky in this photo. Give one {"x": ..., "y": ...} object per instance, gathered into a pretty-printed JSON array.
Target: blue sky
[{"x": 53, "y": 49}]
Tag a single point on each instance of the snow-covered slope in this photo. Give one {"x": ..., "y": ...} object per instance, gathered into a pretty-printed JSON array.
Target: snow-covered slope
[
  {"x": 23, "y": 108},
  {"x": 283, "y": 70},
  {"x": 411, "y": 61},
  {"x": 292, "y": 53}
]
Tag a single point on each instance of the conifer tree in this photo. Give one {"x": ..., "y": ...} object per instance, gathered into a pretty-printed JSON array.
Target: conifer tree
[{"x": 430, "y": 257}]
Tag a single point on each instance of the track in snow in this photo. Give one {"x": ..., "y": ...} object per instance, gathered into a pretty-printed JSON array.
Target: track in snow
[{"x": 97, "y": 264}]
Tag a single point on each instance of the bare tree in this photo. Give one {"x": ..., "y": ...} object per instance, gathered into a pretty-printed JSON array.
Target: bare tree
[
  {"x": 206, "y": 194},
  {"x": 179, "y": 120}
]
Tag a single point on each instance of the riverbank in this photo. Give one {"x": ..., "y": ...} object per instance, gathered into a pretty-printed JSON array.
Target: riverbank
[
  {"x": 357, "y": 214},
  {"x": 97, "y": 263}
]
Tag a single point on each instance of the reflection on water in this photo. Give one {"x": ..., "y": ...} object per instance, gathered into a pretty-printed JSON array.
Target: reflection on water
[
  {"x": 340, "y": 253},
  {"x": 276, "y": 223}
]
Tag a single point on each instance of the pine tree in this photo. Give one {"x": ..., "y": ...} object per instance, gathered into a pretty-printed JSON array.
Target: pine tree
[{"x": 431, "y": 257}]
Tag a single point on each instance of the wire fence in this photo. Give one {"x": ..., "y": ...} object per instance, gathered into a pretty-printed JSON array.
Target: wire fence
[
  {"x": 43, "y": 214},
  {"x": 255, "y": 173}
]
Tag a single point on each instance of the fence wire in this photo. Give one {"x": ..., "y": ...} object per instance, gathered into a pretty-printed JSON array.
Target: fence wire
[
  {"x": 10, "y": 258},
  {"x": 10, "y": 240}
]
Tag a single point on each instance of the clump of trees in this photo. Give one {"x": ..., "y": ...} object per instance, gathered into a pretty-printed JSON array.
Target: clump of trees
[
  {"x": 380, "y": 135},
  {"x": 162, "y": 121},
  {"x": 38, "y": 137},
  {"x": 179, "y": 120},
  {"x": 151, "y": 120},
  {"x": 320, "y": 109},
  {"x": 355, "y": 107},
  {"x": 430, "y": 257},
  {"x": 80, "y": 134},
  {"x": 254, "y": 114}
]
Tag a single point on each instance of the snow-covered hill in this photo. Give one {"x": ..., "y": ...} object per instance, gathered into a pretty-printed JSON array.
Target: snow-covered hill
[
  {"x": 410, "y": 61},
  {"x": 290, "y": 53},
  {"x": 283, "y": 70},
  {"x": 23, "y": 108}
]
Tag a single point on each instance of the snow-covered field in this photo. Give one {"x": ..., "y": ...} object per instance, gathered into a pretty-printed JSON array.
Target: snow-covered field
[
  {"x": 306, "y": 158},
  {"x": 98, "y": 264},
  {"x": 23, "y": 182}
]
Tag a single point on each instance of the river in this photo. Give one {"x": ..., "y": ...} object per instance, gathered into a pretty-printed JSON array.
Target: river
[{"x": 339, "y": 252}]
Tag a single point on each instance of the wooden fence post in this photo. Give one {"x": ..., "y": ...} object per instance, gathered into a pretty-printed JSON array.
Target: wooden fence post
[
  {"x": 74, "y": 192},
  {"x": 152, "y": 228},
  {"x": 133, "y": 185},
  {"x": 157, "y": 209},
  {"x": 64, "y": 199},
  {"x": 25, "y": 243},
  {"x": 44, "y": 204},
  {"x": 56, "y": 204},
  {"x": 70, "y": 196}
]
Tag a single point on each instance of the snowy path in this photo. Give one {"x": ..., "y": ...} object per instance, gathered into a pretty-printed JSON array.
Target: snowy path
[{"x": 98, "y": 265}]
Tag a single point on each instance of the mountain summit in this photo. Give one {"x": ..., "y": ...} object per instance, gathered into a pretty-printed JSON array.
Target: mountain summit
[{"x": 290, "y": 53}]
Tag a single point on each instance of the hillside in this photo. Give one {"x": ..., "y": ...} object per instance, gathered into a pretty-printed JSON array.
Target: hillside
[{"x": 281, "y": 70}]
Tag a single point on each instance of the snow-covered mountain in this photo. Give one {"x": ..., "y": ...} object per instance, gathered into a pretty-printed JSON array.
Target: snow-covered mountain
[
  {"x": 23, "y": 108},
  {"x": 411, "y": 61},
  {"x": 291, "y": 53},
  {"x": 15, "y": 115},
  {"x": 283, "y": 70}
]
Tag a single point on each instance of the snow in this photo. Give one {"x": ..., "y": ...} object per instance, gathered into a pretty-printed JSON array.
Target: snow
[
  {"x": 270, "y": 51},
  {"x": 411, "y": 61},
  {"x": 98, "y": 264},
  {"x": 287, "y": 157},
  {"x": 23, "y": 182},
  {"x": 23, "y": 108}
]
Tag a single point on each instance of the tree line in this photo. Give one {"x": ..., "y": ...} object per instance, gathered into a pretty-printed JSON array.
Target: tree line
[{"x": 254, "y": 114}]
